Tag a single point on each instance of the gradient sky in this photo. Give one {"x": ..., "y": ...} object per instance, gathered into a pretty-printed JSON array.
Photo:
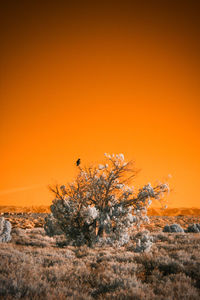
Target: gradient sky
[{"x": 81, "y": 79}]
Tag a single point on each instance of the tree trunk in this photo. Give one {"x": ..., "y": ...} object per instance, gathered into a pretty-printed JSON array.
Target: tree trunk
[{"x": 101, "y": 231}]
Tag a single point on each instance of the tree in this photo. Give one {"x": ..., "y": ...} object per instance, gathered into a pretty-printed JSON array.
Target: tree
[{"x": 100, "y": 206}]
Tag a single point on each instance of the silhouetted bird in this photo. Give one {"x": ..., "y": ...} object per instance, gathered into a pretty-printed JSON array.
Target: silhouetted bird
[{"x": 78, "y": 162}]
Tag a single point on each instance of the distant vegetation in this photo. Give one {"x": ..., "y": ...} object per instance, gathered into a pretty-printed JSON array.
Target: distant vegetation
[{"x": 152, "y": 211}]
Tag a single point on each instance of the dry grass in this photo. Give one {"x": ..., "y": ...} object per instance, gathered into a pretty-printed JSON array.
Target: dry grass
[{"x": 34, "y": 266}]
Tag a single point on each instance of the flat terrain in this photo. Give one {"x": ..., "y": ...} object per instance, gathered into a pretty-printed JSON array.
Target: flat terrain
[
  {"x": 30, "y": 217},
  {"x": 34, "y": 266}
]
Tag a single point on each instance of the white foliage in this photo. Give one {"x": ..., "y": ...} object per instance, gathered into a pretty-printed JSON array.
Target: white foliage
[
  {"x": 121, "y": 156},
  {"x": 143, "y": 242},
  {"x": 101, "y": 167},
  {"x": 5, "y": 230},
  {"x": 99, "y": 207}
]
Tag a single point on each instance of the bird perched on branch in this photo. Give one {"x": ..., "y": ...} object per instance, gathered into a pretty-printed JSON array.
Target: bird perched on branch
[{"x": 78, "y": 162}]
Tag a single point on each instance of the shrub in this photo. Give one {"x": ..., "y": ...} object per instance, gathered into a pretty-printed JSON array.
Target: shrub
[
  {"x": 173, "y": 228},
  {"x": 143, "y": 242},
  {"x": 5, "y": 230},
  {"x": 194, "y": 228},
  {"x": 51, "y": 226},
  {"x": 100, "y": 206}
]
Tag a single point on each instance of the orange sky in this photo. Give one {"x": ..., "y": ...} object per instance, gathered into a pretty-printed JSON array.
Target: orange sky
[{"x": 80, "y": 80}]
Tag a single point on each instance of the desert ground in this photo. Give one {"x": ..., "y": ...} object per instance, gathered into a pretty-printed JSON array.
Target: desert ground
[{"x": 35, "y": 266}]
